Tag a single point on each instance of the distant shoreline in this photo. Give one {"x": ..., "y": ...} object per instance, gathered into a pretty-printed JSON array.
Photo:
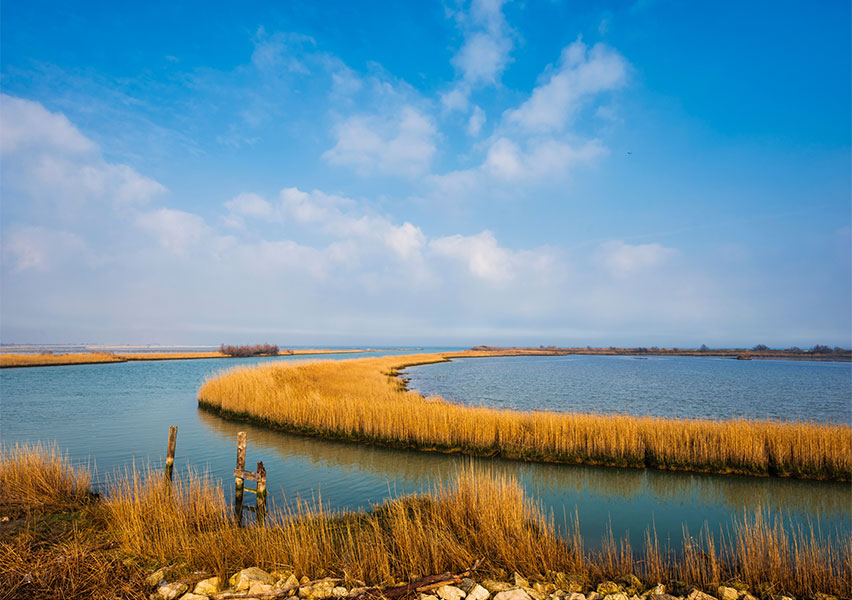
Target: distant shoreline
[
  {"x": 33, "y": 359},
  {"x": 17, "y": 360}
]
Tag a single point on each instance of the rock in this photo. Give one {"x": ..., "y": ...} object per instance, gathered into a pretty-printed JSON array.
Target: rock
[
  {"x": 191, "y": 596},
  {"x": 480, "y": 593},
  {"x": 747, "y": 596},
  {"x": 576, "y": 596},
  {"x": 661, "y": 597},
  {"x": 533, "y": 593},
  {"x": 428, "y": 597},
  {"x": 290, "y": 581},
  {"x": 631, "y": 582},
  {"x": 608, "y": 588},
  {"x": 171, "y": 591},
  {"x": 244, "y": 579},
  {"x": 616, "y": 596},
  {"x": 512, "y": 595},
  {"x": 657, "y": 590},
  {"x": 450, "y": 592},
  {"x": 321, "y": 589},
  {"x": 594, "y": 596},
  {"x": 304, "y": 580},
  {"x": 208, "y": 587},
  {"x": 821, "y": 596},
  {"x": 339, "y": 591},
  {"x": 495, "y": 586},
  {"x": 521, "y": 581},
  {"x": 699, "y": 595},
  {"x": 258, "y": 588},
  {"x": 466, "y": 585},
  {"x": 157, "y": 577}
]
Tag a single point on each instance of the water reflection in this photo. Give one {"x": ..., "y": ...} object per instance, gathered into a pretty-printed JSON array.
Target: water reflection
[{"x": 351, "y": 476}]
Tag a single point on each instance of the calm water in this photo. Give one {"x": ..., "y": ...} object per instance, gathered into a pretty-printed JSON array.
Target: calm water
[
  {"x": 660, "y": 386},
  {"x": 112, "y": 415}
]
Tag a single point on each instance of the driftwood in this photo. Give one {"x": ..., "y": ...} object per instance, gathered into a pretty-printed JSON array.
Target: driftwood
[
  {"x": 421, "y": 585},
  {"x": 275, "y": 593}
]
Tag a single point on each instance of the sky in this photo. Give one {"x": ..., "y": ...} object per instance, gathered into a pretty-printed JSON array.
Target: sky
[{"x": 429, "y": 173}]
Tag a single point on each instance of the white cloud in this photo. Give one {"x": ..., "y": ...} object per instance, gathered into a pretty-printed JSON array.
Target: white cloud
[
  {"x": 624, "y": 260},
  {"x": 249, "y": 205},
  {"x": 48, "y": 159},
  {"x": 456, "y": 99},
  {"x": 279, "y": 52},
  {"x": 42, "y": 249},
  {"x": 402, "y": 144},
  {"x": 485, "y": 53},
  {"x": 476, "y": 121},
  {"x": 175, "y": 230},
  {"x": 480, "y": 254},
  {"x": 25, "y": 124},
  {"x": 580, "y": 75},
  {"x": 341, "y": 218}
]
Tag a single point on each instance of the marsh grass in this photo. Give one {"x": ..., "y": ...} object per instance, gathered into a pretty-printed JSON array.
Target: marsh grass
[
  {"x": 140, "y": 525},
  {"x": 364, "y": 400}
]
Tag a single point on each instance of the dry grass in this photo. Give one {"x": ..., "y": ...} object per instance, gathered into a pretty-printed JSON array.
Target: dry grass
[
  {"x": 36, "y": 476},
  {"x": 363, "y": 400},
  {"x": 478, "y": 515},
  {"x": 50, "y": 543},
  {"x": 41, "y": 360},
  {"x": 21, "y": 359}
]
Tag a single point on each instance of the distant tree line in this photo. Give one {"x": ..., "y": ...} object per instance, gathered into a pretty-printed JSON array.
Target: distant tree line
[{"x": 246, "y": 351}]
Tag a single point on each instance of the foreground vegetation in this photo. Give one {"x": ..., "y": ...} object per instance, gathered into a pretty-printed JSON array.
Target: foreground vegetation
[
  {"x": 61, "y": 542},
  {"x": 363, "y": 400}
]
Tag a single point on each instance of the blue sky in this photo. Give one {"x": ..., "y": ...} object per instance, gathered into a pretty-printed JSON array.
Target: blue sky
[{"x": 633, "y": 173}]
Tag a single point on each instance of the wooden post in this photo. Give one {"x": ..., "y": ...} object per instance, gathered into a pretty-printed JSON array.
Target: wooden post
[
  {"x": 170, "y": 454},
  {"x": 239, "y": 482},
  {"x": 261, "y": 493}
]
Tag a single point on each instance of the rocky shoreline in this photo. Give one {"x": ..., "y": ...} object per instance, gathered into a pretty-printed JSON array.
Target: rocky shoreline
[{"x": 256, "y": 584}]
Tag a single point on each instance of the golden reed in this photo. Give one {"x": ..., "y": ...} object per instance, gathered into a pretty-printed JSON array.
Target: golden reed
[
  {"x": 363, "y": 400},
  {"x": 107, "y": 547}
]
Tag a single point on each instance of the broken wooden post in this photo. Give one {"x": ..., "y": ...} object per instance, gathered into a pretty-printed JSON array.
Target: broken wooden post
[
  {"x": 260, "y": 513},
  {"x": 170, "y": 454},
  {"x": 239, "y": 482}
]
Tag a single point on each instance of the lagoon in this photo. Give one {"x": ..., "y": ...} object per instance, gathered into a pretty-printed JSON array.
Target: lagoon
[{"x": 115, "y": 414}]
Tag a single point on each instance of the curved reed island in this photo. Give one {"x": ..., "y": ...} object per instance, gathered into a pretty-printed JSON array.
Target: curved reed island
[{"x": 363, "y": 400}]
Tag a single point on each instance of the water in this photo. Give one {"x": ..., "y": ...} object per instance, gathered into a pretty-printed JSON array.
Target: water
[
  {"x": 683, "y": 387},
  {"x": 114, "y": 414}
]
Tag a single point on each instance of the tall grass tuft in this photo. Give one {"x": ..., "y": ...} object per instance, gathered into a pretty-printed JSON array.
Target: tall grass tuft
[
  {"x": 36, "y": 475},
  {"x": 363, "y": 400}
]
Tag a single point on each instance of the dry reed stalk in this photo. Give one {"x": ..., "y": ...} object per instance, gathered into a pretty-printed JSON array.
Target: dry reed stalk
[{"x": 363, "y": 400}]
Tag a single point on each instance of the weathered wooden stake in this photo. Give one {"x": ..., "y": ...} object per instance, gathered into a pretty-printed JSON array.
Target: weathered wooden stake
[
  {"x": 170, "y": 454},
  {"x": 260, "y": 513},
  {"x": 239, "y": 482}
]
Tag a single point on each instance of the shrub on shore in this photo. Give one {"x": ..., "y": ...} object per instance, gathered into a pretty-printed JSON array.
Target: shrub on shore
[{"x": 249, "y": 351}]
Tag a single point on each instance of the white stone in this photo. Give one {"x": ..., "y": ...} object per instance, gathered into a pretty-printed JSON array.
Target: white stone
[
  {"x": 480, "y": 593},
  {"x": 244, "y": 579},
  {"x": 208, "y": 587},
  {"x": 339, "y": 591},
  {"x": 576, "y": 596},
  {"x": 450, "y": 592},
  {"x": 512, "y": 595},
  {"x": 171, "y": 591},
  {"x": 192, "y": 596}
]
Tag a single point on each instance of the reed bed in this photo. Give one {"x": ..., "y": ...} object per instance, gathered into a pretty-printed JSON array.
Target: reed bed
[
  {"x": 14, "y": 359},
  {"x": 477, "y": 515},
  {"x": 364, "y": 400}
]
